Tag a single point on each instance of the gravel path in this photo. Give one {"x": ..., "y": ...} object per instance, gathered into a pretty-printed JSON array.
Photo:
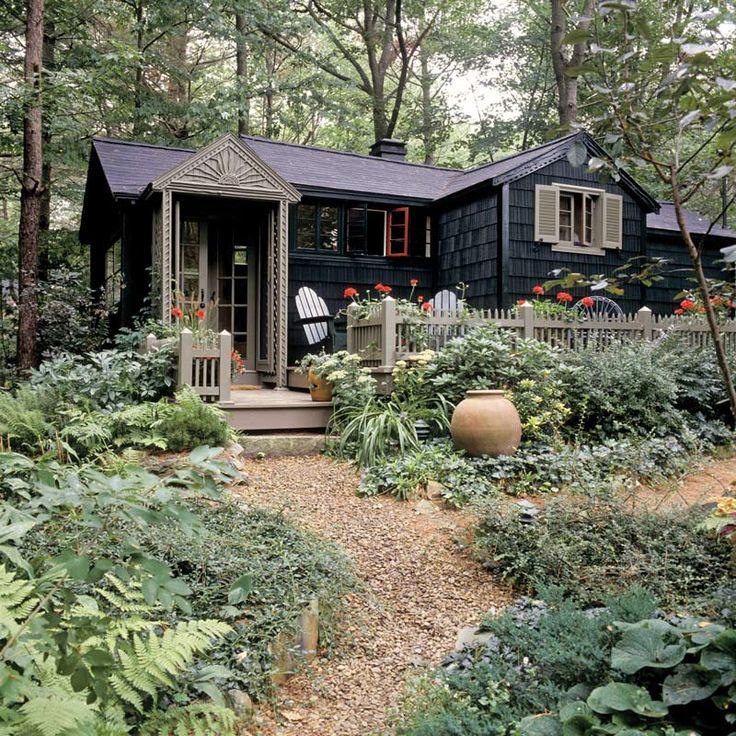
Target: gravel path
[{"x": 419, "y": 591}]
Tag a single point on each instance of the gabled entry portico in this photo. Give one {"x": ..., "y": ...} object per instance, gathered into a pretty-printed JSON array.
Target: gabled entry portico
[{"x": 220, "y": 236}]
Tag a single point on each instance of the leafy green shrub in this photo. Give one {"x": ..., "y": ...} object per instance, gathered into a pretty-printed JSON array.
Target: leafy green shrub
[
  {"x": 621, "y": 391},
  {"x": 84, "y": 649},
  {"x": 595, "y": 548},
  {"x": 23, "y": 425},
  {"x": 190, "y": 422},
  {"x": 70, "y": 318},
  {"x": 104, "y": 381},
  {"x": 461, "y": 479},
  {"x": 670, "y": 676},
  {"x": 536, "y": 651},
  {"x": 490, "y": 357},
  {"x": 276, "y": 567}
]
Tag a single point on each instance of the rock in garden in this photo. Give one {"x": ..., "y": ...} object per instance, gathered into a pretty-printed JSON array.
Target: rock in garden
[
  {"x": 425, "y": 507},
  {"x": 242, "y": 703},
  {"x": 471, "y": 636}
]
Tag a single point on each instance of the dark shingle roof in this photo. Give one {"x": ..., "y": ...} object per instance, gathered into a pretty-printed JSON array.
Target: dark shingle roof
[
  {"x": 131, "y": 167},
  {"x": 697, "y": 224}
]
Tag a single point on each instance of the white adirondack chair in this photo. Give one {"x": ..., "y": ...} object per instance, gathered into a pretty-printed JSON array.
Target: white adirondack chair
[
  {"x": 314, "y": 316},
  {"x": 445, "y": 301}
]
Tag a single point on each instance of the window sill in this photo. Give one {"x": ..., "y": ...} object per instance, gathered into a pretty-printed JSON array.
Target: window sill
[{"x": 587, "y": 250}]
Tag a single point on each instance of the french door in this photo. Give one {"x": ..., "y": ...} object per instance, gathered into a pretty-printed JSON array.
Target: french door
[{"x": 218, "y": 268}]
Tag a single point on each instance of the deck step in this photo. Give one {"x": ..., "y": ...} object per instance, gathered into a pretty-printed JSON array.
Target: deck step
[
  {"x": 283, "y": 444},
  {"x": 268, "y": 410}
]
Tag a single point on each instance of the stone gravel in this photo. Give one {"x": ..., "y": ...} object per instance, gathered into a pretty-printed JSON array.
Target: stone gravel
[{"x": 419, "y": 589}]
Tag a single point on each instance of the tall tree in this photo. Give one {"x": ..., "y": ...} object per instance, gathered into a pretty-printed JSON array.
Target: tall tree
[
  {"x": 568, "y": 44},
  {"x": 31, "y": 193}
]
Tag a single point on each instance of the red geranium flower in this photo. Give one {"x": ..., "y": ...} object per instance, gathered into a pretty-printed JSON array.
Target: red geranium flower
[
  {"x": 177, "y": 312},
  {"x": 679, "y": 311},
  {"x": 687, "y": 304},
  {"x": 538, "y": 290},
  {"x": 413, "y": 282},
  {"x": 200, "y": 314},
  {"x": 587, "y": 301},
  {"x": 382, "y": 288},
  {"x": 701, "y": 310},
  {"x": 563, "y": 296},
  {"x": 521, "y": 301},
  {"x": 350, "y": 292},
  {"x": 427, "y": 307},
  {"x": 420, "y": 298}
]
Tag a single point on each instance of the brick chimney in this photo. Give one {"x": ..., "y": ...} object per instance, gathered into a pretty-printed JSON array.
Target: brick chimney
[{"x": 389, "y": 149}]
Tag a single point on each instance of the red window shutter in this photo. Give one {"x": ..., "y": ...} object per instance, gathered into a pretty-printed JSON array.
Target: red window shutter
[{"x": 397, "y": 236}]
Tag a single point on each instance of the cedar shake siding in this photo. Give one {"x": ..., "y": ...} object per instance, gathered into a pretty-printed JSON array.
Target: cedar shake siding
[
  {"x": 530, "y": 263},
  {"x": 466, "y": 243}
]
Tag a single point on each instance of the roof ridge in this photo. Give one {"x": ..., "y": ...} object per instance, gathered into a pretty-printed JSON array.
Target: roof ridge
[
  {"x": 522, "y": 152},
  {"x": 362, "y": 156},
  {"x": 121, "y": 142}
]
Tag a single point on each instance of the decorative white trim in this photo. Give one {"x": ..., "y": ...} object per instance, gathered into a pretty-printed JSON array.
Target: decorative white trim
[{"x": 227, "y": 167}]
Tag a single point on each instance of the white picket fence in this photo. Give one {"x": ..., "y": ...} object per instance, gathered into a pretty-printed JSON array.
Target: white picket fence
[
  {"x": 386, "y": 336},
  {"x": 202, "y": 363}
]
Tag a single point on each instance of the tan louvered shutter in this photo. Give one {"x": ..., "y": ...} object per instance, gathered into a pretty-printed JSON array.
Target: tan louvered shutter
[
  {"x": 546, "y": 214},
  {"x": 613, "y": 212}
]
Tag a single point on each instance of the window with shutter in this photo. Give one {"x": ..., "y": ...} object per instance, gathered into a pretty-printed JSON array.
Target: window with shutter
[{"x": 574, "y": 219}]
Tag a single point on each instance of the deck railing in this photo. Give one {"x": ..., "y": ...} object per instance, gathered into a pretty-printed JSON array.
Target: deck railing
[
  {"x": 204, "y": 363},
  {"x": 386, "y": 335}
]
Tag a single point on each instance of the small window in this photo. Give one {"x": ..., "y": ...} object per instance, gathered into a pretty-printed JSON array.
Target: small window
[
  {"x": 572, "y": 218},
  {"x": 316, "y": 227},
  {"x": 428, "y": 237},
  {"x": 113, "y": 275},
  {"x": 366, "y": 231},
  {"x": 306, "y": 227}
]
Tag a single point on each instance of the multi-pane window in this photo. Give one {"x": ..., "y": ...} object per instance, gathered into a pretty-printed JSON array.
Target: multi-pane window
[
  {"x": 571, "y": 217},
  {"x": 317, "y": 227},
  {"x": 113, "y": 274}
]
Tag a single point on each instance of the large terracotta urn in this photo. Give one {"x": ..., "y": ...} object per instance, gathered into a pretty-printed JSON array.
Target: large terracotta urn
[
  {"x": 319, "y": 388},
  {"x": 486, "y": 423}
]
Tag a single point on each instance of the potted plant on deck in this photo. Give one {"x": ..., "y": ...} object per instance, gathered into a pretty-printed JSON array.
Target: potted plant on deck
[{"x": 314, "y": 366}]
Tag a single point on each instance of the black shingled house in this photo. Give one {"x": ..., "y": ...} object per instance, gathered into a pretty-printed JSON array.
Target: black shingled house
[{"x": 250, "y": 220}]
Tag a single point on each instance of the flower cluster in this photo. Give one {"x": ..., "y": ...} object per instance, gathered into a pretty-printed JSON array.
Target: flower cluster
[
  {"x": 406, "y": 307},
  {"x": 238, "y": 364},
  {"x": 557, "y": 308},
  {"x": 722, "y": 520},
  {"x": 690, "y": 305}
]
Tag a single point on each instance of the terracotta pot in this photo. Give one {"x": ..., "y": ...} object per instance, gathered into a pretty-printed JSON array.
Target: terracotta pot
[
  {"x": 319, "y": 389},
  {"x": 486, "y": 423}
]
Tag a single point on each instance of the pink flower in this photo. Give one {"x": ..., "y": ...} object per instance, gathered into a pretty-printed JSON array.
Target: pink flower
[
  {"x": 413, "y": 282},
  {"x": 427, "y": 307},
  {"x": 521, "y": 301},
  {"x": 679, "y": 310}
]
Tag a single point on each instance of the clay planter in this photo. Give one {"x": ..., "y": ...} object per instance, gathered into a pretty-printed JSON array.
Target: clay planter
[
  {"x": 319, "y": 389},
  {"x": 486, "y": 423}
]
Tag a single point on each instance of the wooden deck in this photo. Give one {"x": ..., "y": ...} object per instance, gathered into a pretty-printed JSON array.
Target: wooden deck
[{"x": 263, "y": 409}]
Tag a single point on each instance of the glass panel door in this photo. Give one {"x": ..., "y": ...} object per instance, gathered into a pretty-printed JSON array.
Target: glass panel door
[
  {"x": 236, "y": 273},
  {"x": 193, "y": 262}
]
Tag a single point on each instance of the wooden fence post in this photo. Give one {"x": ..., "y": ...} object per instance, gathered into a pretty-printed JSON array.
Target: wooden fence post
[
  {"x": 226, "y": 348},
  {"x": 388, "y": 332},
  {"x": 351, "y": 322},
  {"x": 149, "y": 343},
  {"x": 644, "y": 317},
  {"x": 527, "y": 315},
  {"x": 186, "y": 345}
]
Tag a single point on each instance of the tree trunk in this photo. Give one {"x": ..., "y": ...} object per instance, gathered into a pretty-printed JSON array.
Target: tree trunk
[
  {"x": 31, "y": 188},
  {"x": 138, "y": 84},
  {"x": 241, "y": 75},
  {"x": 49, "y": 66},
  {"x": 427, "y": 118},
  {"x": 702, "y": 282},
  {"x": 565, "y": 58}
]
